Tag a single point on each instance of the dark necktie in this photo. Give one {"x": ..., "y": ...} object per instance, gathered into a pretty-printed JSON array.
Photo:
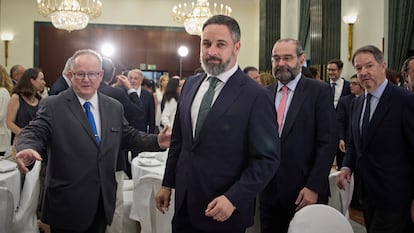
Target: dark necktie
[
  {"x": 206, "y": 103},
  {"x": 333, "y": 89},
  {"x": 365, "y": 118},
  {"x": 89, "y": 115}
]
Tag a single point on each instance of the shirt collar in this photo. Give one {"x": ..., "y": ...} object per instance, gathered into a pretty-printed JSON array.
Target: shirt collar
[
  {"x": 93, "y": 101},
  {"x": 377, "y": 93},
  {"x": 291, "y": 84},
  {"x": 225, "y": 76}
]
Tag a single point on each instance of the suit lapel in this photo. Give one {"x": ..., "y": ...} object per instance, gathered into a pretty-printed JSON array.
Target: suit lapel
[
  {"x": 227, "y": 96},
  {"x": 356, "y": 116},
  {"x": 298, "y": 98},
  {"x": 77, "y": 110},
  {"x": 381, "y": 110}
]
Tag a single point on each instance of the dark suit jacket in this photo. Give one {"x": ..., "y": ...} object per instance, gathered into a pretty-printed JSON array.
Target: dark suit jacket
[
  {"x": 147, "y": 122},
  {"x": 133, "y": 113},
  {"x": 346, "y": 90},
  {"x": 78, "y": 168},
  {"x": 235, "y": 153},
  {"x": 343, "y": 113},
  {"x": 384, "y": 167},
  {"x": 59, "y": 86},
  {"x": 308, "y": 143}
]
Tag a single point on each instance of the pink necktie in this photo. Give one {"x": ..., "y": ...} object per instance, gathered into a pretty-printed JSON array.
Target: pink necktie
[{"x": 281, "y": 107}]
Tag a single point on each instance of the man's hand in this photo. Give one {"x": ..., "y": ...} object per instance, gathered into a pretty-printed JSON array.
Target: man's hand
[
  {"x": 162, "y": 199},
  {"x": 343, "y": 176},
  {"x": 306, "y": 197},
  {"x": 220, "y": 209},
  {"x": 26, "y": 157},
  {"x": 164, "y": 137},
  {"x": 124, "y": 81},
  {"x": 342, "y": 145}
]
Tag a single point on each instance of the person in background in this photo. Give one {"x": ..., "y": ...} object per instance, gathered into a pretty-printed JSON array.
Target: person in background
[
  {"x": 220, "y": 157},
  {"x": 149, "y": 85},
  {"x": 340, "y": 86},
  {"x": 159, "y": 93},
  {"x": 308, "y": 137},
  {"x": 266, "y": 79},
  {"x": 83, "y": 131},
  {"x": 132, "y": 113},
  {"x": 343, "y": 112},
  {"x": 147, "y": 123},
  {"x": 380, "y": 147},
  {"x": 169, "y": 100},
  {"x": 24, "y": 100},
  {"x": 6, "y": 87},
  {"x": 315, "y": 73},
  {"x": 63, "y": 82},
  {"x": 407, "y": 71},
  {"x": 307, "y": 72},
  {"x": 16, "y": 73},
  {"x": 253, "y": 73}
]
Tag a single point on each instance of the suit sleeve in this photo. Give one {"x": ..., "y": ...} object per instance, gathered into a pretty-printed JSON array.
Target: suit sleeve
[
  {"x": 326, "y": 140},
  {"x": 341, "y": 116}
]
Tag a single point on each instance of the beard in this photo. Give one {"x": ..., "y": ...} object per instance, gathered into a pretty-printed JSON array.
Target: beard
[
  {"x": 215, "y": 69},
  {"x": 285, "y": 74}
]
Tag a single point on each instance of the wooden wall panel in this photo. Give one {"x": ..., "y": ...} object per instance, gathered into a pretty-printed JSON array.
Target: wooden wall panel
[{"x": 135, "y": 45}]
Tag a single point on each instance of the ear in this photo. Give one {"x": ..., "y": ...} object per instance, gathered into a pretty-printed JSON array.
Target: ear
[{"x": 302, "y": 59}]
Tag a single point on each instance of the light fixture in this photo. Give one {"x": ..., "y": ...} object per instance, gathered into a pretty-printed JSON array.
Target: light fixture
[
  {"x": 350, "y": 20},
  {"x": 194, "y": 16},
  {"x": 70, "y": 14},
  {"x": 182, "y": 52},
  {"x": 6, "y": 37}
]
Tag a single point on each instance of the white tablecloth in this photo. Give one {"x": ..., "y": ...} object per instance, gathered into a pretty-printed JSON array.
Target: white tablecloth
[
  {"x": 12, "y": 181},
  {"x": 153, "y": 220}
]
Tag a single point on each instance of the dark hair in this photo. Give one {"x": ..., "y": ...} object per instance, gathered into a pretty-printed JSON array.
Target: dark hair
[
  {"x": 299, "y": 48},
  {"x": 171, "y": 90},
  {"x": 314, "y": 71},
  {"x": 247, "y": 69},
  {"x": 24, "y": 86},
  {"x": 228, "y": 21},
  {"x": 337, "y": 62},
  {"x": 307, "y": 72},
  {"x": 149, "y": 83},
  {"x": 379, "y": 57},
  {"x": 109, "y": 69}
]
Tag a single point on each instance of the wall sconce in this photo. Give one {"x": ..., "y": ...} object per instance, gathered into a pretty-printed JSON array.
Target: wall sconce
[
  {"x": 182, "y": 52},
  {"x": 350, "y": 20},
  {"x": 6, "y": 37}
]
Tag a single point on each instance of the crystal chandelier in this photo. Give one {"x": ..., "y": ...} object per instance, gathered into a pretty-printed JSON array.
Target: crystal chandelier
[
  {"x": 70, "y": 14},
  {"x": 194, "y": 16}
]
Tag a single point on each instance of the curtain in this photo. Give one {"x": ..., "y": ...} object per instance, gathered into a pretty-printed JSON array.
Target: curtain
[
  {"x": 401, "y": 31},
  {"x": 304, "y": 21}
]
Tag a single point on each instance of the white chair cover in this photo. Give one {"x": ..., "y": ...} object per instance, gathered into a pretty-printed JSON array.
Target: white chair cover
[
  {"x": 25, "y": 219},
  {"x": 128, "y": 225},
  {"x": 318, "y": 218},
  {"x": 6, "y": 210},
  {"x": 144, "y": 209},
  {"x": 340, "y": 199}
]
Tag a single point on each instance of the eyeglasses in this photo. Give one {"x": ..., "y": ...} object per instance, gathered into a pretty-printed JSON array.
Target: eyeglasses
[
  {"x": 285, "y": 58},
  {"x": 82, "y": 75}
]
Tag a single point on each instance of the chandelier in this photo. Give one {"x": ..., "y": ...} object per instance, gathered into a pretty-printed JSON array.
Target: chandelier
[
  {"x": 70, "y": 14},
  {"x": 194, "y": 16}
]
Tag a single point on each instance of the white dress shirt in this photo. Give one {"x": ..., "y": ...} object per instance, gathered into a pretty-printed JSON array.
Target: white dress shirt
[{"x": 95, "y": 111}]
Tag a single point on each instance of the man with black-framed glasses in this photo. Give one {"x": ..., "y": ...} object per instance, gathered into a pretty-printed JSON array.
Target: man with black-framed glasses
[{"x": 308, "y": 137}]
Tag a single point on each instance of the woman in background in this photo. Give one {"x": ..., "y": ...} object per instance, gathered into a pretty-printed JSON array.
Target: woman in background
[
  {"x": 24, "y": 100},
  {"x": 159, "y": 93},
  {"x": 169, "y": 101},
  {"x": 6, "y": 88}
]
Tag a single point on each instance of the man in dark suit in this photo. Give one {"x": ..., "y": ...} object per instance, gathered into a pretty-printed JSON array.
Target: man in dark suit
[
  {"x": 340, "y": 86},
  {"x": 309, "y": 138},
  {"x": 220, "y": 157},
  {"x": 82, "y": 149},
  {"x": 381, "y": 146},
  {"x": 63, "y": 82},
  {"x": 132, "y": 112},
  {"x": 146, "y": 124},
  {"x": 16, "y": 73},
  {"x": 343, "y": 112}
]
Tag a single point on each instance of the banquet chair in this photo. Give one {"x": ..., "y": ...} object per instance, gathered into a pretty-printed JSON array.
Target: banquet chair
[
  {"x": 319, "y": 218},
  {"x": 25, "y": 219},
  {"x": 6, "y": 210},
  {"x": 144, "y": 209},
  {"x": 340, "y": 199}
]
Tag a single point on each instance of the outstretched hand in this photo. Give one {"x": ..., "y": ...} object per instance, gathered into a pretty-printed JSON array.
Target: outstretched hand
[{"x": 26, "y": 157}]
